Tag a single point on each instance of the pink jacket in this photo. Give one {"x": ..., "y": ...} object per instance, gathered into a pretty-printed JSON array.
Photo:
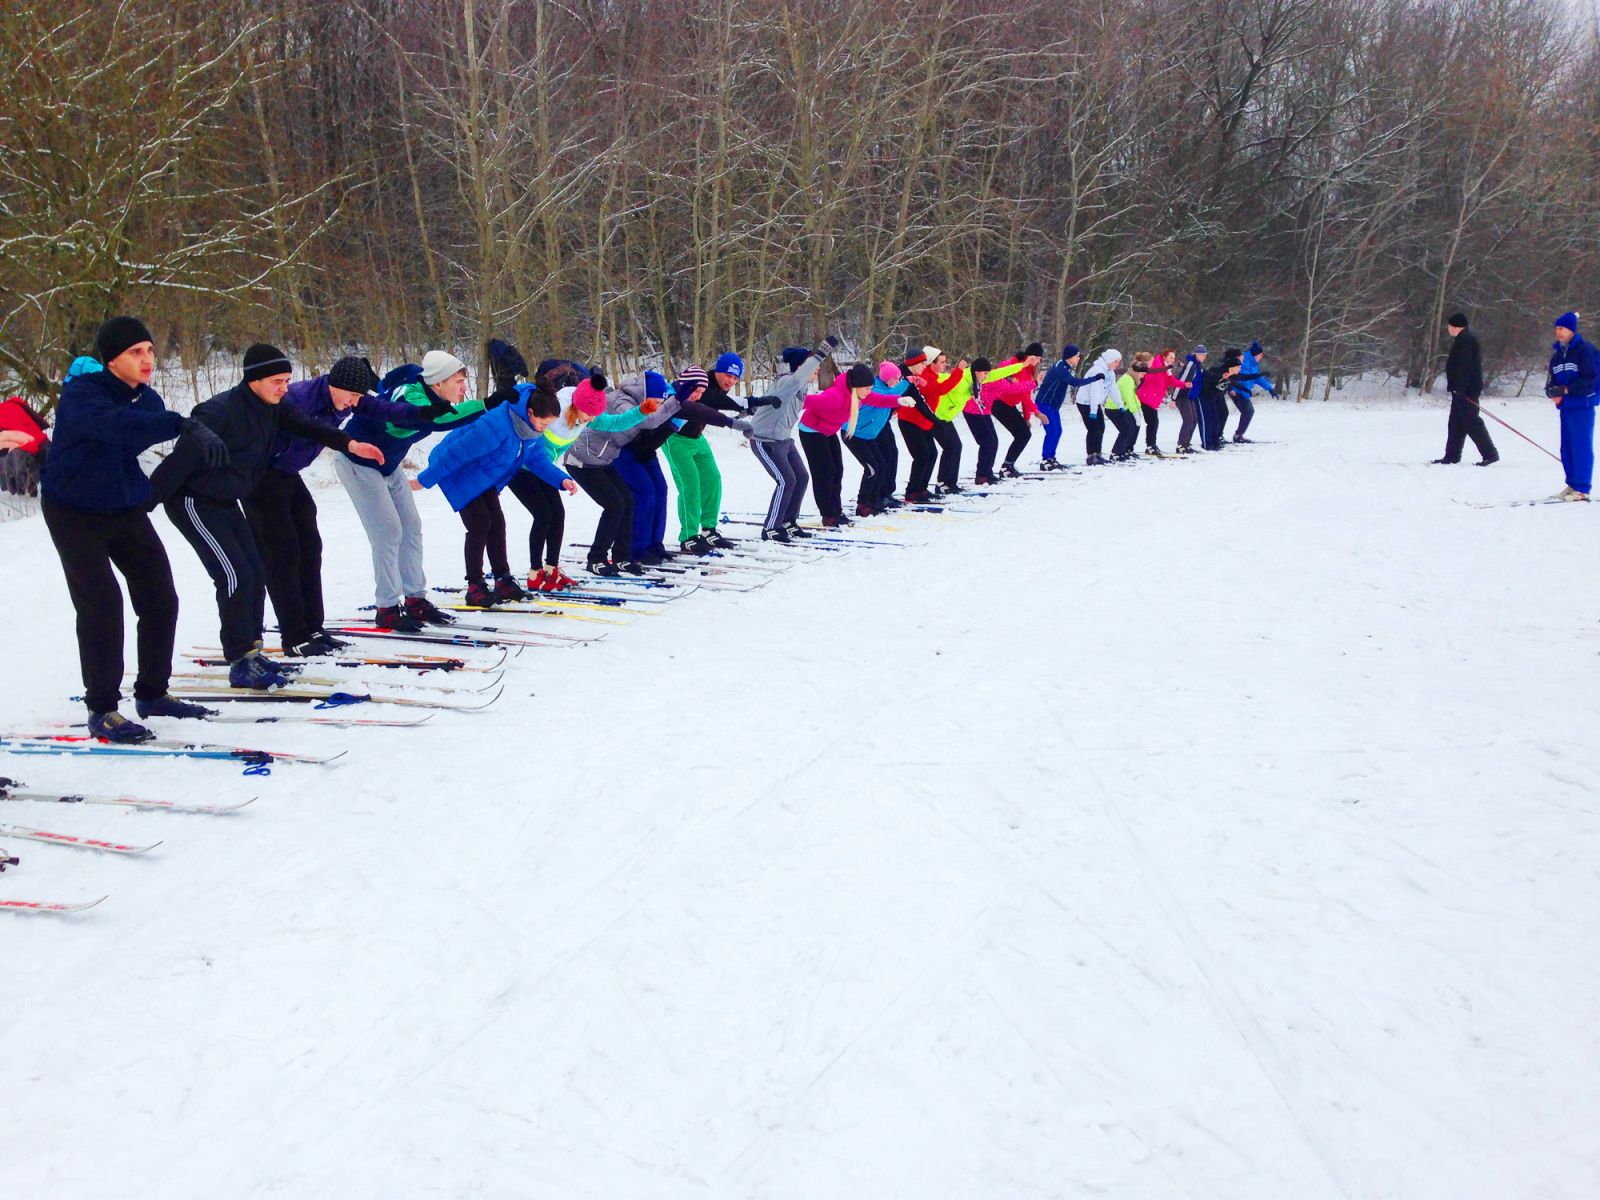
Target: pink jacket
[
  {"x": 1015, "y": 390},
  {"x": 827, "y": 411},
  {"x": 1158, "y": 381}
]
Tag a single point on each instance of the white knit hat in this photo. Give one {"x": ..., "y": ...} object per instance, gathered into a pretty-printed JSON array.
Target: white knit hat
[
  {"x": 931, "y": 352},
  {"x": 439, "y": 365}
]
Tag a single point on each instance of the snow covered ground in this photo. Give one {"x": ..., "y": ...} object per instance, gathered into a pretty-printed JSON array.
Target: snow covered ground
[{"x": 1214, "y": 829}]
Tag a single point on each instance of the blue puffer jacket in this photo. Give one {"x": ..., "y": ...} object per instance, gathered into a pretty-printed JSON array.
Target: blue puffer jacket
[
  {"x": 102, "y": 426},
  {"x": 485, "y": 455},
  {"x": 1575, "y": 366},
  {"x": 1250, "y": 377}
]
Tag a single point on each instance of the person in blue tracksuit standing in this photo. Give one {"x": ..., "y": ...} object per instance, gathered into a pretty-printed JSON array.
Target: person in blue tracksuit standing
[
  {"x": 1052, "y": 394},
  {"x": 1573, "y": 384}
]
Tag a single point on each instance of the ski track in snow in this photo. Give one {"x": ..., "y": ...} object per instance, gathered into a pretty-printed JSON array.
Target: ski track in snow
[{"x": 1223, "y": 829}]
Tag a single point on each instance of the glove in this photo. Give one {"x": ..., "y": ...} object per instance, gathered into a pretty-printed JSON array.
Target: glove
[
  {"x": 211, "y": 446},
  {"x": 833, "y": 341},
  {"x": 649, "y": 405},
  {"x": 743, "y": 425},
  {"x": 597, "y": 379},
  {"x": 907, "y": 402},
  {"x": 756, "y": 402},
  {"x": 1555, "y": 391},
  {"x": 506, "y": 363},
  {"x": 504, "y": 393}
]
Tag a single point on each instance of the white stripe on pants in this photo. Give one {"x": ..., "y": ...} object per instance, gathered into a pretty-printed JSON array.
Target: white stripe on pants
[
  {"x": 394, "y": 530},
  {"x": 783, "y": 462}
]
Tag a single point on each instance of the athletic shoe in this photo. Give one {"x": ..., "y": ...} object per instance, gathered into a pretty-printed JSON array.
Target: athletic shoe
[
  {"x": 633, "y": 567},
  {"x": 603, "y": 567},
  {"x": 398, "y": 620},
  {"x": 560, "y": 581},
  {"x": 833, "y": 522},
  {"x": 866, "y": 510},
  {"x": 776, "y": 535},
  {"x": 114, "y": 727},
  {"x": 891, "y": 502},
  {"x": 1490, "y": 461},
  {"x": 1570, "y": 493},
  {"x": 171, "y": 706},
  {"x": 507, "y": 590},
  {"x": 795, "y": 530},
  {"x": 1242, "y": 440},
  {"x": 1154, "y": 452},
  {"x": 536, "y": 580},
  {"x": 330, "y": 644},
  {"x": 696, "y": 546},
  {"x": 424, "y": 610},
  {"x": 1009, "y": 470},
  {"x": 256, "y": 674},
  {"x": 653, "y": 557},
  {"x": 478, "y": 595},
  {"x": 310, "y": 648},
  {"x": 715, "y": 540},
  {"x": 982, "y": 481},
  {"x": 954, "y": 489}
]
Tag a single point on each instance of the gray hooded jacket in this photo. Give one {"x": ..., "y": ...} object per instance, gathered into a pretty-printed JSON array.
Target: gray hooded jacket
[{"x": 775, "y": 423}]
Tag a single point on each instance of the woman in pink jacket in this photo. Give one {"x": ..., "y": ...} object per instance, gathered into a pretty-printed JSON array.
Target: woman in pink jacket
[
  {"x": 1157, "y": 384},
  {"x": 835, "y": 407},
  {"x": 1011, "y": 402}
]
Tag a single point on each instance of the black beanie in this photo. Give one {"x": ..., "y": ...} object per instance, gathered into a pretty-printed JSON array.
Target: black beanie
[
  {"x": 1232, "y": 358},
  {"x": 858, "y": 376},
  {"x": 116, "y": 335},
  {"x": 1033, "y": 350},
  {"x": 1459, "y": 320},
  {"x": 982, "y": 365},
  {"x": 262, "y": 361},
  {"x": 353, "y": 374}
]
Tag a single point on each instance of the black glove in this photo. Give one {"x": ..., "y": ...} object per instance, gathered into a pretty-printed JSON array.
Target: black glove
[
  {"x": 212, "y": 447},
  {"x": 756, "y": 402},
  {"x": 597, "y": 379},
  {"x": 1555, "y": 391},
  {"x": 506, "y": 364},
  {"x": 504, "y": 393}
]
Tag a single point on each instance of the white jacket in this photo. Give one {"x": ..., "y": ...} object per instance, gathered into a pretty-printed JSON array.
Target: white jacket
[{"x": 1094, "y": 394}]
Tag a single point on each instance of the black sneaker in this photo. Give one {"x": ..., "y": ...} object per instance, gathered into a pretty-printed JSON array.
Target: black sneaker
[
  {"x": 310, "y": 648},
  {"x": 795, "y": 530},
  {"x": 633, "y": 567},
  {"x": 601, "y": 567},
  {"x": 776, "y": 535},
  {"x": 478, "y": 595},
  {"x": 399, "y": 620},
  {"x": 716, "y": 540},
  {"x": 114, "y": 727},
  {"x": 695, "y": 545},
  {"x": 1490, "y": 461},
  {"x": 424, "y": 610},
  {"x": 330, "y": 644},
  {"x": 654, "y": 557},
  {"x": 508, "y": 591},
  {"x": 171, "y": 706},
  {"x": 1009, "y": 471}
]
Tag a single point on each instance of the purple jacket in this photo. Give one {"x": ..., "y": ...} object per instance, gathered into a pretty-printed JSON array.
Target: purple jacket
[{"x": 291, "y": 455}]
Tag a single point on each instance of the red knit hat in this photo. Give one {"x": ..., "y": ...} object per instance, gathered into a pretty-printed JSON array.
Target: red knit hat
[{"x": 588, "y": 399}]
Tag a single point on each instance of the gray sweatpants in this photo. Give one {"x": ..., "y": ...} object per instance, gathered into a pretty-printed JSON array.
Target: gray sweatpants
[
  {"x": 394, "y": 530},
  {"x": 788, "y": 470}
]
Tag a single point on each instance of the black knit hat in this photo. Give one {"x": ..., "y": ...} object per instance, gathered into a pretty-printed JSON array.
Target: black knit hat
[
  {"x": 981, "y": 366},
  {"x": 117, "y": 335},
  {"x": 353, "y": 374},
  {"x": 1232, "y": 358},
  {"x": 858, "y": 376},
  {"x": 1033, "y": 350},
  {"x": 1459, "y": 320},
  {"x": 262, "y": 361}
]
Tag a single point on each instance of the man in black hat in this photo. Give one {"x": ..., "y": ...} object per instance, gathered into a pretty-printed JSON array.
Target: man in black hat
[
  {"x": 203, "y": 501},
  {"x": 95, "y": 498},
  {"x": 1463, "y": 378}
]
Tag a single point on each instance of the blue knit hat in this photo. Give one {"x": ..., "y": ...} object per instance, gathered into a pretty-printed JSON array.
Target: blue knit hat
[
  {"x": 655, "y": 385},
  {"x": 794, "y": 357},
  {"x": 1200, "y": 349},
  {"x": 730, "y": 364},
  {"x": 1069, "y": 351},
  {"x": 1568, "y": 320}
]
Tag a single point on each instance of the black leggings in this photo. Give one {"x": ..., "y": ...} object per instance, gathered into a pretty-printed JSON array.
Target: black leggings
[
  {"x": 283, "y": 521},
  {"x": 944, "y": 432},
  {"x": 982, "y": 426},
  {"x": 549, "y": 517},
  {"x": 486, "y": 532},
  {"x": 613, "y": 533},
  {"x": 891, "y": 458},
  {"x": 1127, "y": 430},
  {"x": 1014, "y": 423},
  {"x": 1152, "y": 422},
  {"x": 1094, "y": 429},
  {"x": 90, "y": 545},
  {"x": 1247, "y": 410},
  {"x": 923, "y": 450},
  {"x": 867, "y": 452},
  {"x": 826, "y": 461},
  {"x": 221, "y": 537}
]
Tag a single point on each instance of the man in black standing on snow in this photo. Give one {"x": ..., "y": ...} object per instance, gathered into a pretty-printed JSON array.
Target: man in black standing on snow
[{"x": 1463, "y": 378}]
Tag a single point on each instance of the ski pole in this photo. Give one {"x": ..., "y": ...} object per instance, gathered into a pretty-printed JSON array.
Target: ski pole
[{"x": 1513, "y": 429}]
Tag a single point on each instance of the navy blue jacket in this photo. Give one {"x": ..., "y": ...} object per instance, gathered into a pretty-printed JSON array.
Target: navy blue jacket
[
  {"x": 1053, "y": 387},
  {"x": 1575, "y": 367},
  {"x": 102, "y": 426}
]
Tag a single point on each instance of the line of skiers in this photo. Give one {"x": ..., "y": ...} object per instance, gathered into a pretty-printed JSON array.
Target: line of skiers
[{"x": 232, "y": 482}]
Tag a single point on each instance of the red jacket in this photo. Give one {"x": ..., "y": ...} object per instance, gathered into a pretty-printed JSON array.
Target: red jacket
[{"x": 15, "y": 416}]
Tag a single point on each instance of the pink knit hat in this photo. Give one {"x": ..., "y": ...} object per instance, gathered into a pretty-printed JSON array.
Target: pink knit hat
[
  {"x": 588, "y": 399},
  {"x": 889, "y": 373}
]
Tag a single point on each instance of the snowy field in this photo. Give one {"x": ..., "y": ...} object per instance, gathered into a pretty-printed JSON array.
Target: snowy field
[{"x": 1212, "y": 829}]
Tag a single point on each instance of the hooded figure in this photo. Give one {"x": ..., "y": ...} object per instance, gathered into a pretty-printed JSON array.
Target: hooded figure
[{"x": 1092, "y": 398}]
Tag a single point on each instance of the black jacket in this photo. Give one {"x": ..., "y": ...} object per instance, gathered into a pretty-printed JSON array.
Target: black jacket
[
  {"x": 1463, "y": 370},
  {"x": 713, "y": 398},
  {"x": 249, "y": 427}
]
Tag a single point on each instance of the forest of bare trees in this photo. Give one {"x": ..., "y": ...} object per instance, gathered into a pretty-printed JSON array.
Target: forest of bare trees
[{"x": 665, "y": 177}]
